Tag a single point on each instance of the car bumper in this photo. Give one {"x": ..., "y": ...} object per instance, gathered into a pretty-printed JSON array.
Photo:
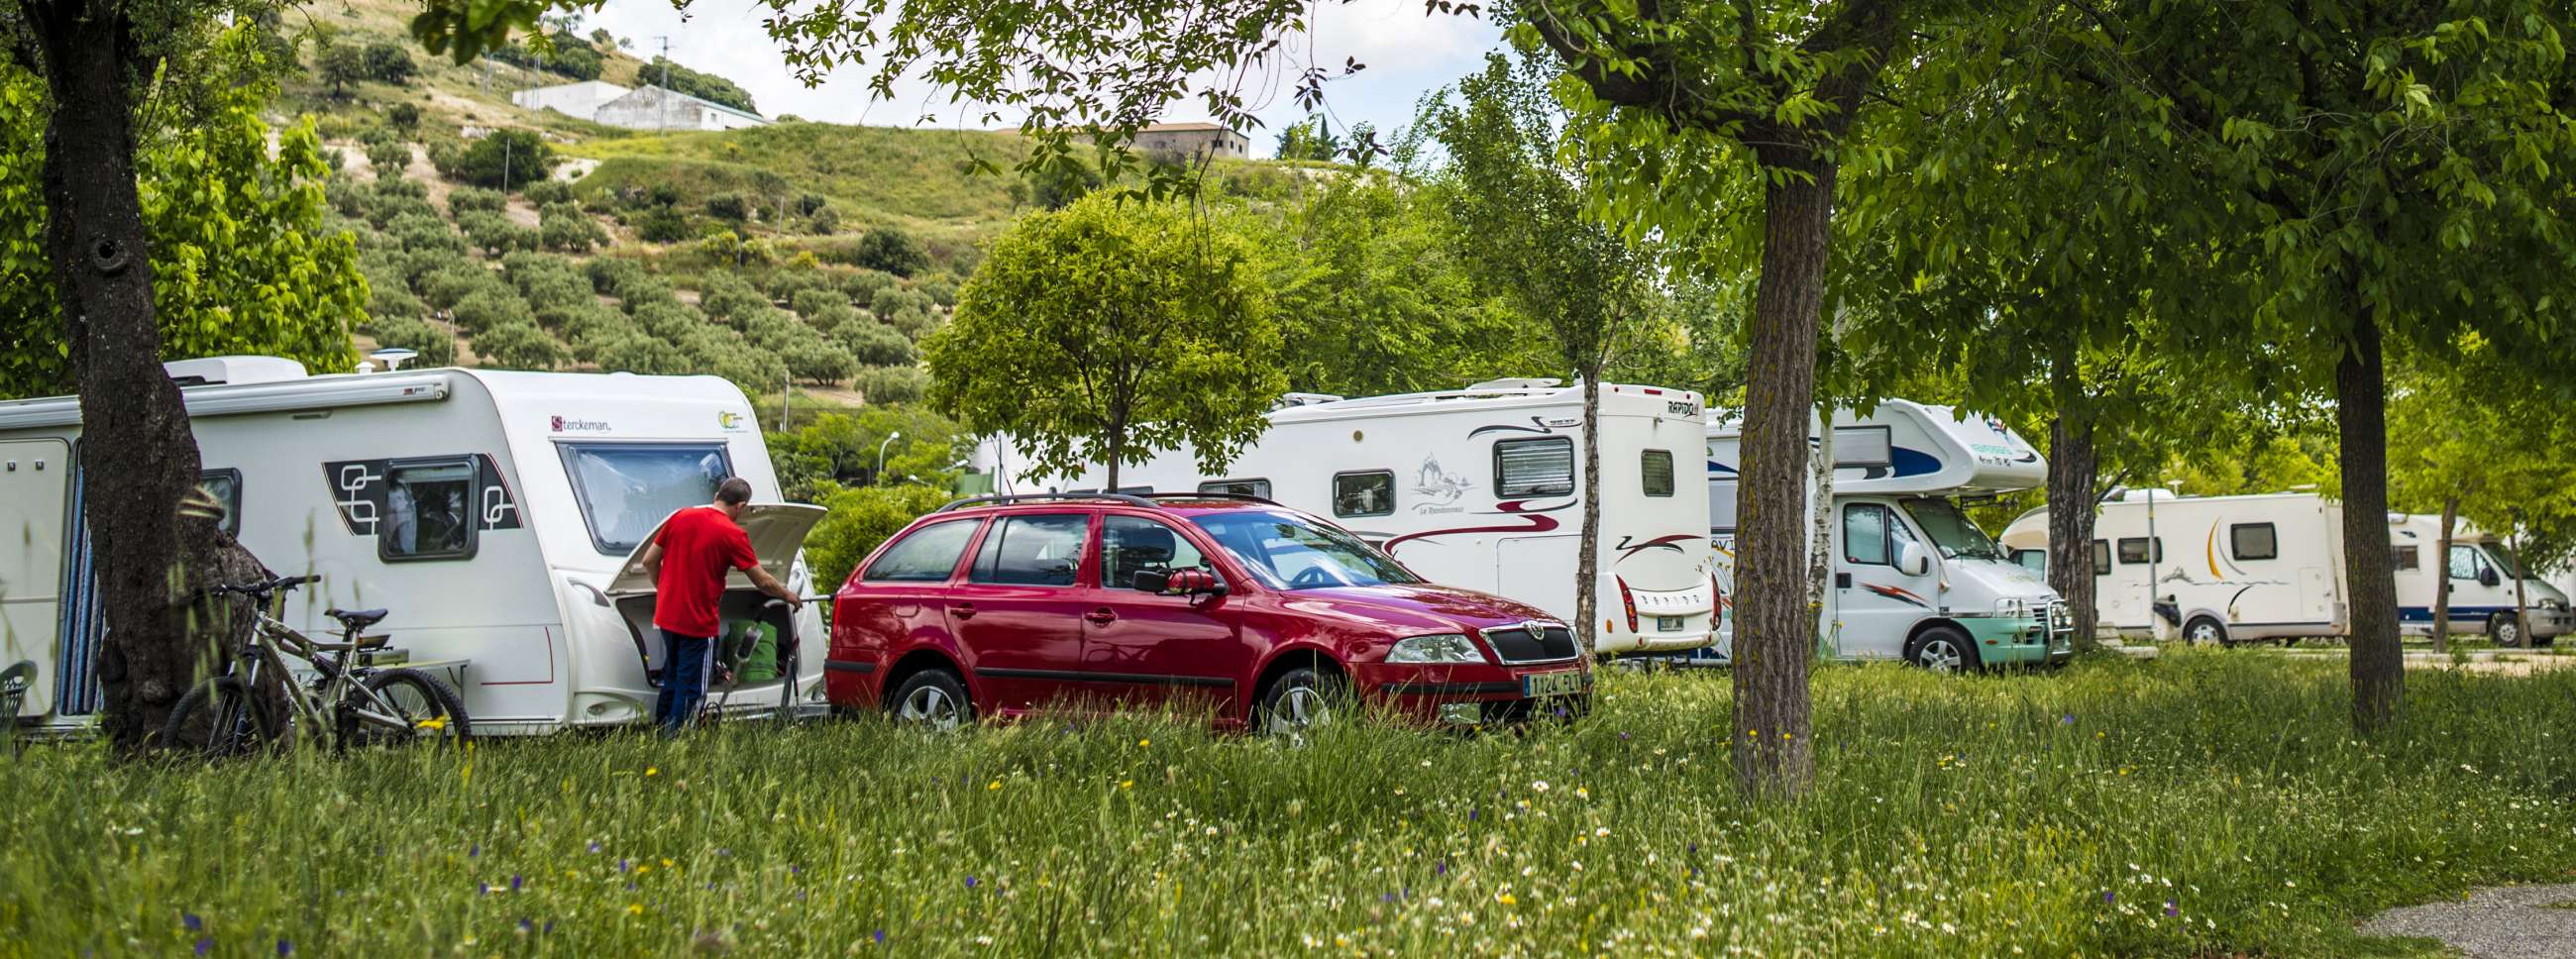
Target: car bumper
[
  {"x": 2551, "y": 623},
  {"x": 1473, "y": 695},
  {"x": 2018, "y": 640}
]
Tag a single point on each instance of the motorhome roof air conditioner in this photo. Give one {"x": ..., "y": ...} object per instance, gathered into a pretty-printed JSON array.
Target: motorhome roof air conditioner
[{"x": 211, "y": 370}]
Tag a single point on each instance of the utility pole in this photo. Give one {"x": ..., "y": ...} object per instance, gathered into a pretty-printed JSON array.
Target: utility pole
[
  {"x": 666, "y": 81},
  {"x": 505, "y": 163}
]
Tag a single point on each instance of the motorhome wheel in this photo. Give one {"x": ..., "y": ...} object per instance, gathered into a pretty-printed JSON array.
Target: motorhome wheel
[
  {"x": 2506, "y": 630},
  {"x": 2203, "y": 629},
  {"x": 932, "y": 699},
  {"x": 1943, "y": 649}
]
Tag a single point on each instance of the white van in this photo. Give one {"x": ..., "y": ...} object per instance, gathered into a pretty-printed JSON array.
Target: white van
[
  {"x": 1914, "y": 579},
  {"x": 2271, "y": 566},
  {"x": 1480, "y": 488},
  {"x": 490, "y": 512}
]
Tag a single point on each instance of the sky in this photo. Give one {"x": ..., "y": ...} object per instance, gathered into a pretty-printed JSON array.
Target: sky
[{"x": 1408, "y": 54}]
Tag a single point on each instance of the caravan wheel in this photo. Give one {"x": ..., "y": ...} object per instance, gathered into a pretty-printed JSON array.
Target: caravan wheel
[
  {"x": 2203, "y": 629},
  {"x": 2506, "y": 630},
  {"x": 1943, "y": 649}
]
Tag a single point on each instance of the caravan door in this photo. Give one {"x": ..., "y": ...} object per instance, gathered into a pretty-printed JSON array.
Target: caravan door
[{"x": 34, "y": 494}]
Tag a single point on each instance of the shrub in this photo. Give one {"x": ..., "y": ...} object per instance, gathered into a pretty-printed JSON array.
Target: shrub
[
  {"x": 811, "y": 302},
  {"x": 469, "y": 198},
  {"x": 641, "y": 353},
  {"x": 517, "y": 346},
  {"x": 419, "y": 265},
  {"x": 823, "y": 222},
  {"x": 729, "y": 207},
  {"x": 543, "y": 192},
  {"x": 785, "y": 283},
  {"x": 861, "y": 287},
  {"x": 859, "y": 520},
  {"x": 390, "y": 158},
  {"x": 424, "y": 231},
  {"x": 942, "y": 291},
  {"x": 662, "y": 225},
  {"x": 756, "y": 371},
  {"x": 584, "y": 322},
  {"x": 452, "y": 284},
  {"x": 346, "y": 197},
  {"x": 771, "y": 328},
  {"x": 607, "y": 274},
  {"x": 404, "y": 116},
  {"x": 818, "y": 361},
  {"x": 890, "y": 384},
  {"x": 387, "y": 62},
  {"x": 504, "y": 159},
  {"x": 493, "y": 233},
  {"x": 390, "y": 303},
  {"x": 638, "y": 291},
  {"x": 544, "y": 289},
  {"x": 892, "y": 250},
  {"x": 808, "y": 204},
  {"x": 489, "y": 309},
  {"x": 564, "y": 227},
  {"x": 436, "y": 346},
  {"x": 894, "y": 299},
  {"x": 669, "y": 321},
  {"x": 875, "y": 344}
]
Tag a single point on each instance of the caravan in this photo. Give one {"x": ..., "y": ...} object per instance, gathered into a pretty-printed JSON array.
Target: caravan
[
  {"x": 1913, "y": 577},
  {"x": 491, "y": 512},
  {"x": 1480, "y": 488},
  {"x": 2271, "y": 566}
]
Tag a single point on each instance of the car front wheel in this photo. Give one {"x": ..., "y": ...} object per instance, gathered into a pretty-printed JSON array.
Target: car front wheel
[{"x": 1301, "y": 699}]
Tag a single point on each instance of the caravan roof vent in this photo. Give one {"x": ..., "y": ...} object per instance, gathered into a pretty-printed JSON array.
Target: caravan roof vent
[
  {"x": 2143, "y": 495},
  {"x": 207, "y": 371},
  {"x": 1518, "y": 383},
  {"x": 1287, "y": 400}
]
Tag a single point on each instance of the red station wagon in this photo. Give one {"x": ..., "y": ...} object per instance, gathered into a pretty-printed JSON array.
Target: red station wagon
[{"x": 1259, "y": 614}]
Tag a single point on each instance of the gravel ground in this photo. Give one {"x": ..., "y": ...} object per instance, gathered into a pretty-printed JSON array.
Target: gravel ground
[{"x": 2505, "y": 922}]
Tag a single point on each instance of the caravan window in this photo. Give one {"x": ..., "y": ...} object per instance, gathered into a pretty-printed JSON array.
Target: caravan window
[
  {"x": 2101, "y": 557},
  {"x": 1534, "y": 467},
  {"x": 223, "y": 490},
  {"x": 429, "y": 510},
  {"x": 1364, "y": 494},
  {"x": 1238, "y": 487},
  {"x": 627, "y": 489},
  {"x": 2408, "y": 558},
  {"x": 1657, "y": 465},
  {"x": 2133, "y": 550},
  {"x": 1863, "y": 446},
  {"x": 2253, "y": 541}
]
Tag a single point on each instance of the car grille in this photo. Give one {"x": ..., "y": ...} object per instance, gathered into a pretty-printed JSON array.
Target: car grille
[{"x": 1518, "y": 645}]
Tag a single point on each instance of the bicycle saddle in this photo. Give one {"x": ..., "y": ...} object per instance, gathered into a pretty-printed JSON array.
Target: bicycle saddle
[{"x": 356, "y": 618}]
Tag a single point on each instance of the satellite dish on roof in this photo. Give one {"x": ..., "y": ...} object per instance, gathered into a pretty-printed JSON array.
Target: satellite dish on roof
[{"x": 393, "y": 357}]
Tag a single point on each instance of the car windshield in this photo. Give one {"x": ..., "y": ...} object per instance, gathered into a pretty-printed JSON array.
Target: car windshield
[
  {"x": 626, "y": 489},
  {"x": 1291, "y": 552},
  {"x": 1951, "y": 530}
]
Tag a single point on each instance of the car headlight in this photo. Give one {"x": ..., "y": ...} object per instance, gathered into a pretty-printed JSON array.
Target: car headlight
[
  {"x": 2553, "y": 604},
  {"x": 2012, "y": 608},
  {"x": 1439, "y": 648}
]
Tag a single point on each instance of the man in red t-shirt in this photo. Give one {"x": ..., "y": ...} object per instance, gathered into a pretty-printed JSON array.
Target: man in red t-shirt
[{"x": 688, "y": 562}]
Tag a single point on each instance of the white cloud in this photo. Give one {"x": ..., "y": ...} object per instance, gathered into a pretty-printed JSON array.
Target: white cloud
[{"x": 1407, "y": 52}]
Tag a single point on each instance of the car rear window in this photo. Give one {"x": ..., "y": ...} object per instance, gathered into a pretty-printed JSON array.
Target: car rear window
[{"x": 928, "y": 555}]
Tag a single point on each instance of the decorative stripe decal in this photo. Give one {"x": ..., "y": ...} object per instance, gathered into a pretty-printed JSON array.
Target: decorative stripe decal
[
  {"x": 1897, "y": 593},
  {"x": 1672, "y": 542},
  {"x": 1080, "y": 676},
  {"x": 1518, "y": 507},
  {"x": 1539, "y": 428}
]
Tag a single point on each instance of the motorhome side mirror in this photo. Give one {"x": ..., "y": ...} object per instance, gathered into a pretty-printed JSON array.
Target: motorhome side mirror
[
  {"x": 1912, "y": 561},
  {"x": 2488, "y": 577},
  {"x": 1152, "y": 580}
]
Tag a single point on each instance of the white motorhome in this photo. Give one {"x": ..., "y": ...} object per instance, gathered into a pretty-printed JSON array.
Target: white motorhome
[
  {"x": 1481, "y": 488},
  {"x": 491, "y": 512},
  {"x": 1913, "y": 577},
  {"x": 2271, "y": 566}
]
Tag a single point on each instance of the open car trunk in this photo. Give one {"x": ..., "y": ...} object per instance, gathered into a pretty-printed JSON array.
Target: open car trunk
[{"x": 777, "y": 531}]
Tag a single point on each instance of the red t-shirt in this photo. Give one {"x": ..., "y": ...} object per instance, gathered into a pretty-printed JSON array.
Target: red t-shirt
[{"x": 699, "y": 546}]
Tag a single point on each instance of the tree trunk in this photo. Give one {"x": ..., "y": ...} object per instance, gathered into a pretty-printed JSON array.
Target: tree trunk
[
  {"x": 2361, "y": 420},
  {"x": 2442, "y": 576},
  {"x": 1820, "y": 533},
  {"x": 1773, "y": 636},
  {"x": 2521, "y": 599},
  {"x": 136, "y": 455},
  {"x": 2072, "y": 473},
  {"x": 1117, "y": 448},
  {"x": 1587, "y": 610}
]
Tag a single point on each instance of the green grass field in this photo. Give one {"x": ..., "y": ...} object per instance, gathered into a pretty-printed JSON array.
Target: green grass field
[{"x": 2207, "y": 804}]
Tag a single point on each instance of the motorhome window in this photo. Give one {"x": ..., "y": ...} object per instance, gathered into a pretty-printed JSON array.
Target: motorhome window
[
  {"x": 2408, "y": 558},
  {"x": 223, "y": 489},
  {"x": 2253, "y": 541},
  {"x": 1131, "y": 545},
  {"x": 2101, "y": 557},
  {"x": 1042, "y": 550},
  {"x": 1865, "y": 538},
  {"x": 1290, "y": 552},
  {"x": 2133, "y": 550},
  {"x": 429, "y": 510},
  {"x": 929, "y": 555},
  {"x": 1721, "y": 504},
  {"x": 1534, "y": 467},
  {"x": 627, "y": 489},
  {"x": 1238, "y": 487},
  {"x": 1657, "y": 466},
  {"x": 1952, "y": 532},
  {"x": 2464, "y": 563},
  {"x": 1364, "y": 494},
  {"x": 1863, "y": 446}
]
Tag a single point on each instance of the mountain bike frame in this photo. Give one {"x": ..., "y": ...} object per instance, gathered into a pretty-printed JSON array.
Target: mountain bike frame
[{"x": 337, "y": 690}]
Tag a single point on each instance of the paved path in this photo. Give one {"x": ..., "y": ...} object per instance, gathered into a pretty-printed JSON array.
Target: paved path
[{"x": 2504, "y": 922}]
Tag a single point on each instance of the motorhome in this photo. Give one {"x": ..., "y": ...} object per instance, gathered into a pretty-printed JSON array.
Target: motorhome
[
  {"x": 1914, "y": 578},
  {"x": 1482, "y": 488},
  {"x": 491, "y": 512},
  {"x": 2231, "y": 569}
]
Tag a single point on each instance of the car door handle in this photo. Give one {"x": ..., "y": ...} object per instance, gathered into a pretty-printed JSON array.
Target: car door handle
[
  {"x": 1101, "y": 617},
  {"x": 962, "y": 610}
]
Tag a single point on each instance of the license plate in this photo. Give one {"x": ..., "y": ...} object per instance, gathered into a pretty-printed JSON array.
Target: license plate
[
  {"x": 1542, "y": 685},
  {"x": 1669, "y": 624}
]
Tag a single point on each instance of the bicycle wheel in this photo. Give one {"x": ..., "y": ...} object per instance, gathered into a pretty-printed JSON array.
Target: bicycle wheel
[
  {"x": 407, "y": 707},
  {"x": 218, "y": 719}
]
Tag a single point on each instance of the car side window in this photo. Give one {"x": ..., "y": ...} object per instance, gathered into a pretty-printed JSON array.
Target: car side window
[
  {"x": 929, "y": 555},
  {"x": 1865, "y": 536},
  {"x": 1132, "y": 544},
  {"x": 1039, "y": 550}
]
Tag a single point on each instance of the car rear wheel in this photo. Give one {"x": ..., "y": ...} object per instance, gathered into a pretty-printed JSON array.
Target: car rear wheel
[
  {"x": 932, "y": 699},
  {"x": 1943, "y": 649},
  {"x": 1302, "y": 699}
]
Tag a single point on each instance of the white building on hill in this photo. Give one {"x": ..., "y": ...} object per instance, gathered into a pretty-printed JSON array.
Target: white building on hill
[
  {"x": 648, "y": 108},
  {"x": 571, "y": 99}
]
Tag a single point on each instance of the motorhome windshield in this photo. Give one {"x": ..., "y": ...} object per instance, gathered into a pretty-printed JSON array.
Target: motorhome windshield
[
  {"x": 626, "y": 489},
  {"x": 1951, "y": 530},
  {"x": 2503, "y": 563},
  {"x": 1290, "y": 552}
]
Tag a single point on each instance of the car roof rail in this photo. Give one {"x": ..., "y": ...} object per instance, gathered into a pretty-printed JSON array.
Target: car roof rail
[
  {"x": 1040, "y": 498},
  {"x": 1210, "y": 494}
]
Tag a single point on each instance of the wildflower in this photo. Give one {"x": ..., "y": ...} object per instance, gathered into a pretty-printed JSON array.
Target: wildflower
[
  {"x": 2066, "y": 720},
  {"x": 526, "y": 927},
  {"x": 2106, "y": 897},
  {"x": 970, "y": 882},
  {"x": 515, "y": 882},
  {"x": 1539, "y": 786},
  {"x": 622, "y": 865},
  {"x": 652, "y": 770},
  {"x": 995, "y": 784},
  {"x": 1441, "y": 867},
  {"x": 666, "y": 864},
  {"x": 594, "y": 846},
  {"x": 285, "y": 948},
  {"x": 473, "y": 850},
  {"x": 1126, "y": 784},
  {"x": 1506, "y": 899},
  {"x": 192, "y": 922},
  {"x": 2170, "y": 910},
  {"x": 482, "y": 889},
  {"x": 1142, "y": 743},
  {"x": 205, "y": 944},
  {"x": 880, "y": 937},
  {"x": 635, "y": 909}
]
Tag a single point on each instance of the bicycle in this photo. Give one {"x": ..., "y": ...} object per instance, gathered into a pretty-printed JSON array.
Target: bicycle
[{"x": 350, "y": 705}]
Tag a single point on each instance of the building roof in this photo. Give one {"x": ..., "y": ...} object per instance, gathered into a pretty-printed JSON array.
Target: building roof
[
  {"x": 1195, "y": 126},
  {"x": 709, "y": 104}
]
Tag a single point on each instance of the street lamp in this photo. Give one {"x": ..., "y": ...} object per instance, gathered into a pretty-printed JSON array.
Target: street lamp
[{"x": 881, "y": 448}]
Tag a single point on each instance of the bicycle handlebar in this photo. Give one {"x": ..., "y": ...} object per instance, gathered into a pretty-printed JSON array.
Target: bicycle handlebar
[{"x": 259, "y": 589}]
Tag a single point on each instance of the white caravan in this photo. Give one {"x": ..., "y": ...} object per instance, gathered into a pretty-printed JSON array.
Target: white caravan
[
  {"x": 1481, "y": 488},
  {"x": 490, "y": 512},
  {"x": 1913, "y": 577},
  {"x": 2271, "y": 566}
]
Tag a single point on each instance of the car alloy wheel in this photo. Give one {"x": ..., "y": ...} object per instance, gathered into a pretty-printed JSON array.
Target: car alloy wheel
[{"x": 1939, "y": 655}]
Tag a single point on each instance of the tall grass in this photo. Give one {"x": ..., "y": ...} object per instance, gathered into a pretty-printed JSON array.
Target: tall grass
[{"x": 2207, "y": 804}]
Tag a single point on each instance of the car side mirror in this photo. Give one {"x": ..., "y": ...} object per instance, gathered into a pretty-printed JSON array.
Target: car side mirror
[
  {"x": 1912, "y": 561},
  {"x": 1178, "y": 582},
  {"x": 2488, "y": 577}
]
